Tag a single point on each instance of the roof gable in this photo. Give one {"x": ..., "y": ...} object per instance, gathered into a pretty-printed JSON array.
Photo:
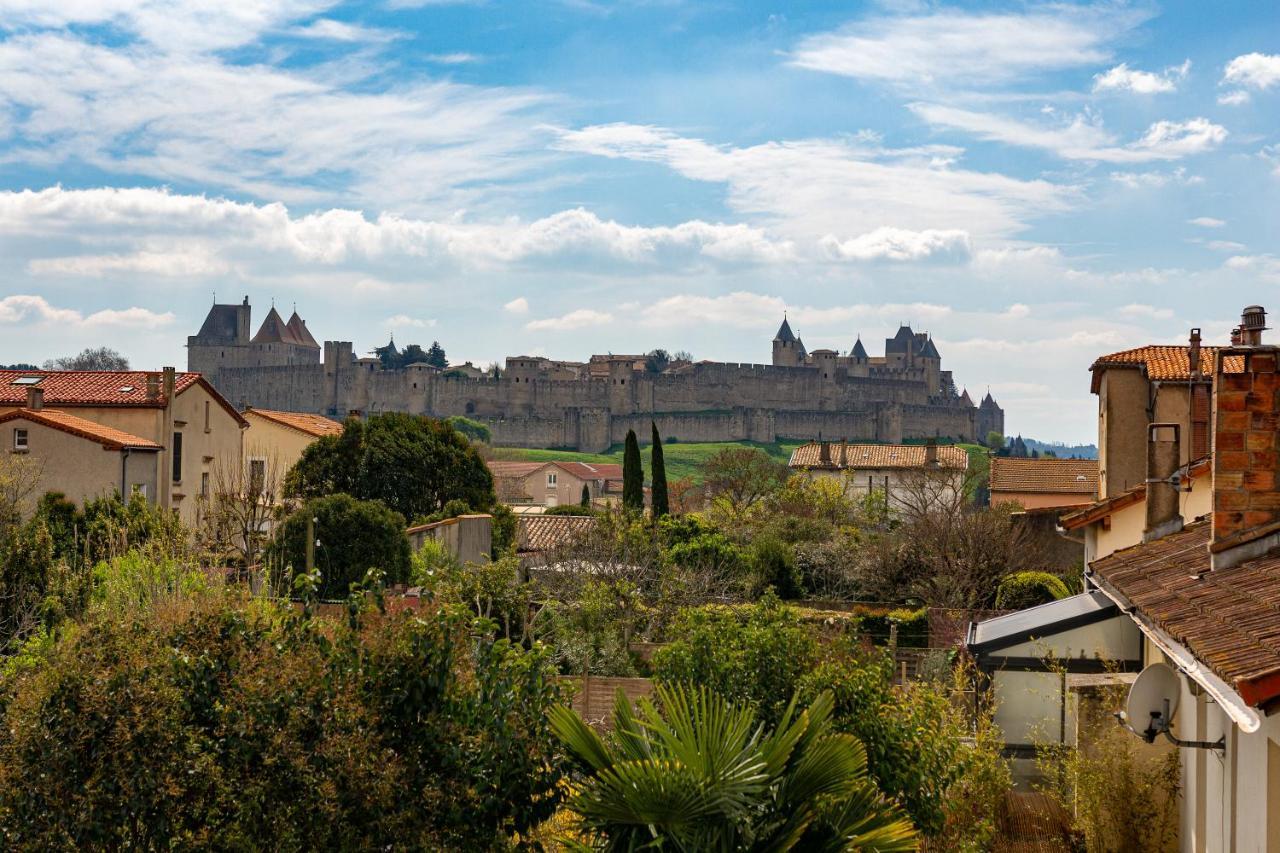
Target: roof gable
[
  {"x": 1052, "y": 476},
  {"x": 109, "y": 437},
  {"x": 313, "y": 425}
]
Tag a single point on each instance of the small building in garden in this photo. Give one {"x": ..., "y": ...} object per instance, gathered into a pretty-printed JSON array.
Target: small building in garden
[
  {"x": 1043, "y": 483},
  {"x": 555, "y": 482},
  {"x": 905, "y": 475}
]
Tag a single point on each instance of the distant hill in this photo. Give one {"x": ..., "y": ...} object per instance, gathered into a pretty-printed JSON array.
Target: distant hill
[{"x": 1063, "y": 451}]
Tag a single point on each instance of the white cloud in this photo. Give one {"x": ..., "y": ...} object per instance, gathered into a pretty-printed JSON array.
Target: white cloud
[
  {"x": 28, "y": 308},
  {"x": 749, "y": 310},
  {"x": 1253, "y": 71},
  {"x": 519, "y": 305},
  {"x": 581, "y": 318},
  {"x": 1226, "y": 246},
  {"x": 1122, "y": 78},
  {"x": 953, "y": 47},
  {"x": 1138, "y": 310},
  {"x": 179, "y": 263},
  {"x": 1234, "y": 99},
  {"x": 1083, "y": 138},
  {"x": 900, "y": 244},
  {"x": 1151, "y": 180},
  {"x": 825, "y": 186},
  {"x": 404, "y": 321},
  {"x": 336, "y": 236},
  {"x": 1017, "y": 311},
  {"x": 1267, "y": 267},
  {"x": 331, "y": 30},
  {"x": 452, "y": 58},
  {"x": 1207, "y": 222}
]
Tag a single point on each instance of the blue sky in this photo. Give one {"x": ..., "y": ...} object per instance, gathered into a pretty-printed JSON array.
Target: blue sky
[{"x": 1034, "y": 184}]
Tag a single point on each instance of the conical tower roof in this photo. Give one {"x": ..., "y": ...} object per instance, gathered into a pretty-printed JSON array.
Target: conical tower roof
[
  {"x": 859, "y": 351},
  {"x": 965, "y": 398},
  {"x": 298, "y": 327},
  {"x": 784, "y": 332},
  {"x": 274, "y": 330}
]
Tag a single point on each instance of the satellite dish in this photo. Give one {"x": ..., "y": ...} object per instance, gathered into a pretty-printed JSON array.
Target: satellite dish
[{"x": 1153, "y": 700}]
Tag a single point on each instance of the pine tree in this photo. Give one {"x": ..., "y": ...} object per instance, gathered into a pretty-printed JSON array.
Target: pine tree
[
  {"x": 659, "y": 467},
  {"x": 586, "y": 495},
  {"x": 632, "y": 474}
]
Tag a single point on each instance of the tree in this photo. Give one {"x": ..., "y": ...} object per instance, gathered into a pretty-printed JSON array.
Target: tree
[
  {"x": 354, "y": 537},
  {"x": 995, "y": 441},
  {"x": 472, "y": 429},
  {"x": 236, "y": 515},
  {"x": 92, "y": 358},
  {"x": 632, "y": 474},
  {"x": 697, "y": 772},
  {"x": 1021, "y": 590},
  {"x": 586, "y": 496},
  {"x": 657, "y": 361},
  {"x": 739, "y": 478},
  {"x": 436, "y": 356},
  {"x": 659, "y": 499},
  {"x": 412, "y": 464}
]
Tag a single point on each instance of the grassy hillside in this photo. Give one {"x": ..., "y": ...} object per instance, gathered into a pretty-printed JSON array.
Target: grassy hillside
[{"x": 682, "y": 459}]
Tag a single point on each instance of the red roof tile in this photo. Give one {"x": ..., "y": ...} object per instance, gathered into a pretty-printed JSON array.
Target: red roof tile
[
  {"x": 865, "y": 456},
  {"x": 99, "y": 388},
  {"x": 545, "y": 532},
  {"x": 1051, "y": 476},
  {"x": 108, "y": 437},
  {"x": 1163, "y": 363},
  {"x": 1228, "y": 618},
  {"x": 314, "y": 425}
]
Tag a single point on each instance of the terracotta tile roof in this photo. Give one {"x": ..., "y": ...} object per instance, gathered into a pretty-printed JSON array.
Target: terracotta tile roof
[
  {"x": 1163, "y": 363},
  {"x": 861, "y": 456},
  {"x": 592, "y": 470},
  {"x": 510, "y": 468},
  {"x": 1228, "y": 618},
  {"x": 316, "y": 425},
  {"x": 1052, "y": 476},
  {"x": 99, "y": 389},
  {"x": 109, "y": 438},
  {"x": 546, "y": 532},
  {"x": 1105, "y": 507}
]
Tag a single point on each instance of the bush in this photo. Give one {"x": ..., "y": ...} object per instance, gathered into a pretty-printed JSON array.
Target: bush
[
  {"x": 569, "y": 509},
  {"x": 775, "y": 566},
  {"x": 216, "y": 722},
  {"x": 355, "y": 536},
  {"x": 1021, "y": 590},
  {"x": 758, "y": 653},
  {"x": 912, "y": 625},
  {"x": 473, "y": 430}
]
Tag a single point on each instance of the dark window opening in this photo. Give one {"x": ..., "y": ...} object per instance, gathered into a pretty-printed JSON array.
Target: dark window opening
[{"x": 177, "y": 457}]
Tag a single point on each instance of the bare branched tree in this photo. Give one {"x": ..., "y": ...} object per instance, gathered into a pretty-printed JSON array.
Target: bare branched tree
[
  {"x": 238, "y": 509},
  {"x": 19, "y": 481}
]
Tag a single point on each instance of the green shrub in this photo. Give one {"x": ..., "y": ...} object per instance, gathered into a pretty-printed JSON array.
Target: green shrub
[
  {"x": 218, "y": 722},
  {"x": 1021, "y": 590},
  {"x": 913, "y": 626},
  {"x": 569, "y": 509},
  {"x": 757, "y": 653},
  {"x": 355, "y": 536},
  {"x": 472, "y": 429},
  {"x": 775, "y": 566}
]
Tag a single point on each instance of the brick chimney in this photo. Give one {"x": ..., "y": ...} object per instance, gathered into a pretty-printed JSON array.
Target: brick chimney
[
  {"x": 844, "y": 453},
  {"x": 1163, "y": 453},
  {"x": 931, "y": 453},
  {"x": 1193, "y": 354},
  {"x": 824, "y": 453},
  {"x": 169, "y": 382},
  {"x": 1246, "y": 465},
  {"x": 153, "y": 386},
  {"x": 35, "y": 398}
]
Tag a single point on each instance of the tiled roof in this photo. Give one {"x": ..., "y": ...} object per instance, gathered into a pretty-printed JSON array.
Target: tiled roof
[
  {"x": 1163, "y": 363},
  {"x": 545, "y": 532},
  {"x": 857, "y": 456},
  {"x": 108, "y": 437},
  {"x": 274, "y": 330},
  {"x": 100, "y": 388},
  {"x": 1053, "y": 476},
  {"x": 581, "y": 470},
  {"x": 1105, "y": 507},
  {"x": 316, "y": 425},
  {"x": 508, "y": 468},
  {"x": 298, "y": 328},
  {"x": 1228, "y": 618}
]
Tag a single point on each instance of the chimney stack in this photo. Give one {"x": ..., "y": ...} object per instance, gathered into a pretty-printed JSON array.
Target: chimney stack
[
  {"x": 931, "y": 453},
  {"x": 844, "y": 453},
  {"x": 824, "y": 453},
  {"x": 1163, "y": 454},
  {"x": 35, "y": 398},
  {"x": 169, "y": 383},
  {"x": 1246, "y": 465},
  {"x": 1193, "y": 354},
  {"x": 153, "y": 386}
]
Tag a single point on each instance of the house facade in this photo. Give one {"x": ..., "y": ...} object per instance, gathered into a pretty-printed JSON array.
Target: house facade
[
  {"x": 275, "y": 440},
  {"x": 548, "y": 484},
  {"x": 1188, "y": 557},
  {"x": 1043, "y": 483},
  {"x": 906, "y": 475},
  {"x": 196, "y": 429}
]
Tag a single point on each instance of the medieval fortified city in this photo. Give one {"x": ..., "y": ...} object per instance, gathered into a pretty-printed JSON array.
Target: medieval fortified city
[{"x": 586, "y": 510}]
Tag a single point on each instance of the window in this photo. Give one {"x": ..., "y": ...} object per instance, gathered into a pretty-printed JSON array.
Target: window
[
  {"x": 551, "y": 481},
  {"x": 204, "y": 484},
  {"x": 28, "y": 380},
  {"x": 206, "y": 415},
  {"x": 19, "y": 439},
  {"x": 177, "y": 457},
  {"x": 257, "y": 474}
]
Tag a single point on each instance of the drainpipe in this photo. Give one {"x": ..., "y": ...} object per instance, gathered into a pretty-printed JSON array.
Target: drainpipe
[{"x": 124, "y": 468}]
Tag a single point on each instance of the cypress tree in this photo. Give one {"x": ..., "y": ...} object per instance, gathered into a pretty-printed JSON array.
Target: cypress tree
[
  {"x": 586, "y": 495},
  {"x": 660, "y": 504},
  {"x": 632, "y": 474}
]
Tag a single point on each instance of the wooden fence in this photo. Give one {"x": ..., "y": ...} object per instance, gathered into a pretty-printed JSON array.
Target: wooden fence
[{"x": 593, "y": 695}]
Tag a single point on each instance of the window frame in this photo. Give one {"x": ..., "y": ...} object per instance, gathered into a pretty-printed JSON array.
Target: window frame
[
  {"x": 21, "y": 439},
  {"x": 176, "y": 453}
]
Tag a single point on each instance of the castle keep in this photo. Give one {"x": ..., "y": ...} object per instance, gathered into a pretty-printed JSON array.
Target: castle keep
[{"x": 539, "y": 402}]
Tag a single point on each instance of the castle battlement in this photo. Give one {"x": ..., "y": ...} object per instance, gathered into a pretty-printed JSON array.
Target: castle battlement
[{"x": 903, "y": 394}]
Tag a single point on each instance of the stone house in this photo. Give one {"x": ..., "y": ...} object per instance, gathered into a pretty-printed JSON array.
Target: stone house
[
  {"x": 1043, "y": 483},
  {"x": 195, "y": 427},
  {"x": 275, "y": 440},
  {"x": 1183, "y": 569},
  {"x": 555, "y": 483},
  {"x": 82, "y": 459},
  {"x": 907, "y": 475}
]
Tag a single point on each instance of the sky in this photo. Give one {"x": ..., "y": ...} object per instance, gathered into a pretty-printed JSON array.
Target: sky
[{"x": 1033, "y": 184}]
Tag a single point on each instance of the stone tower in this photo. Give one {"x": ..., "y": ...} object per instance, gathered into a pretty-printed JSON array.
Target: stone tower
[
  {"x": 223, "y": 341},
  {"x": 788, "y": 350},
  {"x": 990, "y": 417}
]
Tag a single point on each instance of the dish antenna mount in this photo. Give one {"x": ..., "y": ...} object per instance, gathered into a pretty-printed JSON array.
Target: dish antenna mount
[{"x": 1153, "y": 700}]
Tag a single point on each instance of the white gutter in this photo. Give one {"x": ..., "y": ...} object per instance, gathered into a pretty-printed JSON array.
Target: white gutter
[{"x": 1227, "y": 698}]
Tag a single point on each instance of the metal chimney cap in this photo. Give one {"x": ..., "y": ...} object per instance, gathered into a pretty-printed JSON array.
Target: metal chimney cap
[{"x": 1254, "y": 318}]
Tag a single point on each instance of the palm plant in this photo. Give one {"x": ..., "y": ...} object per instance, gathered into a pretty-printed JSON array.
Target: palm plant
[{"x": 697, "y": 772}]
